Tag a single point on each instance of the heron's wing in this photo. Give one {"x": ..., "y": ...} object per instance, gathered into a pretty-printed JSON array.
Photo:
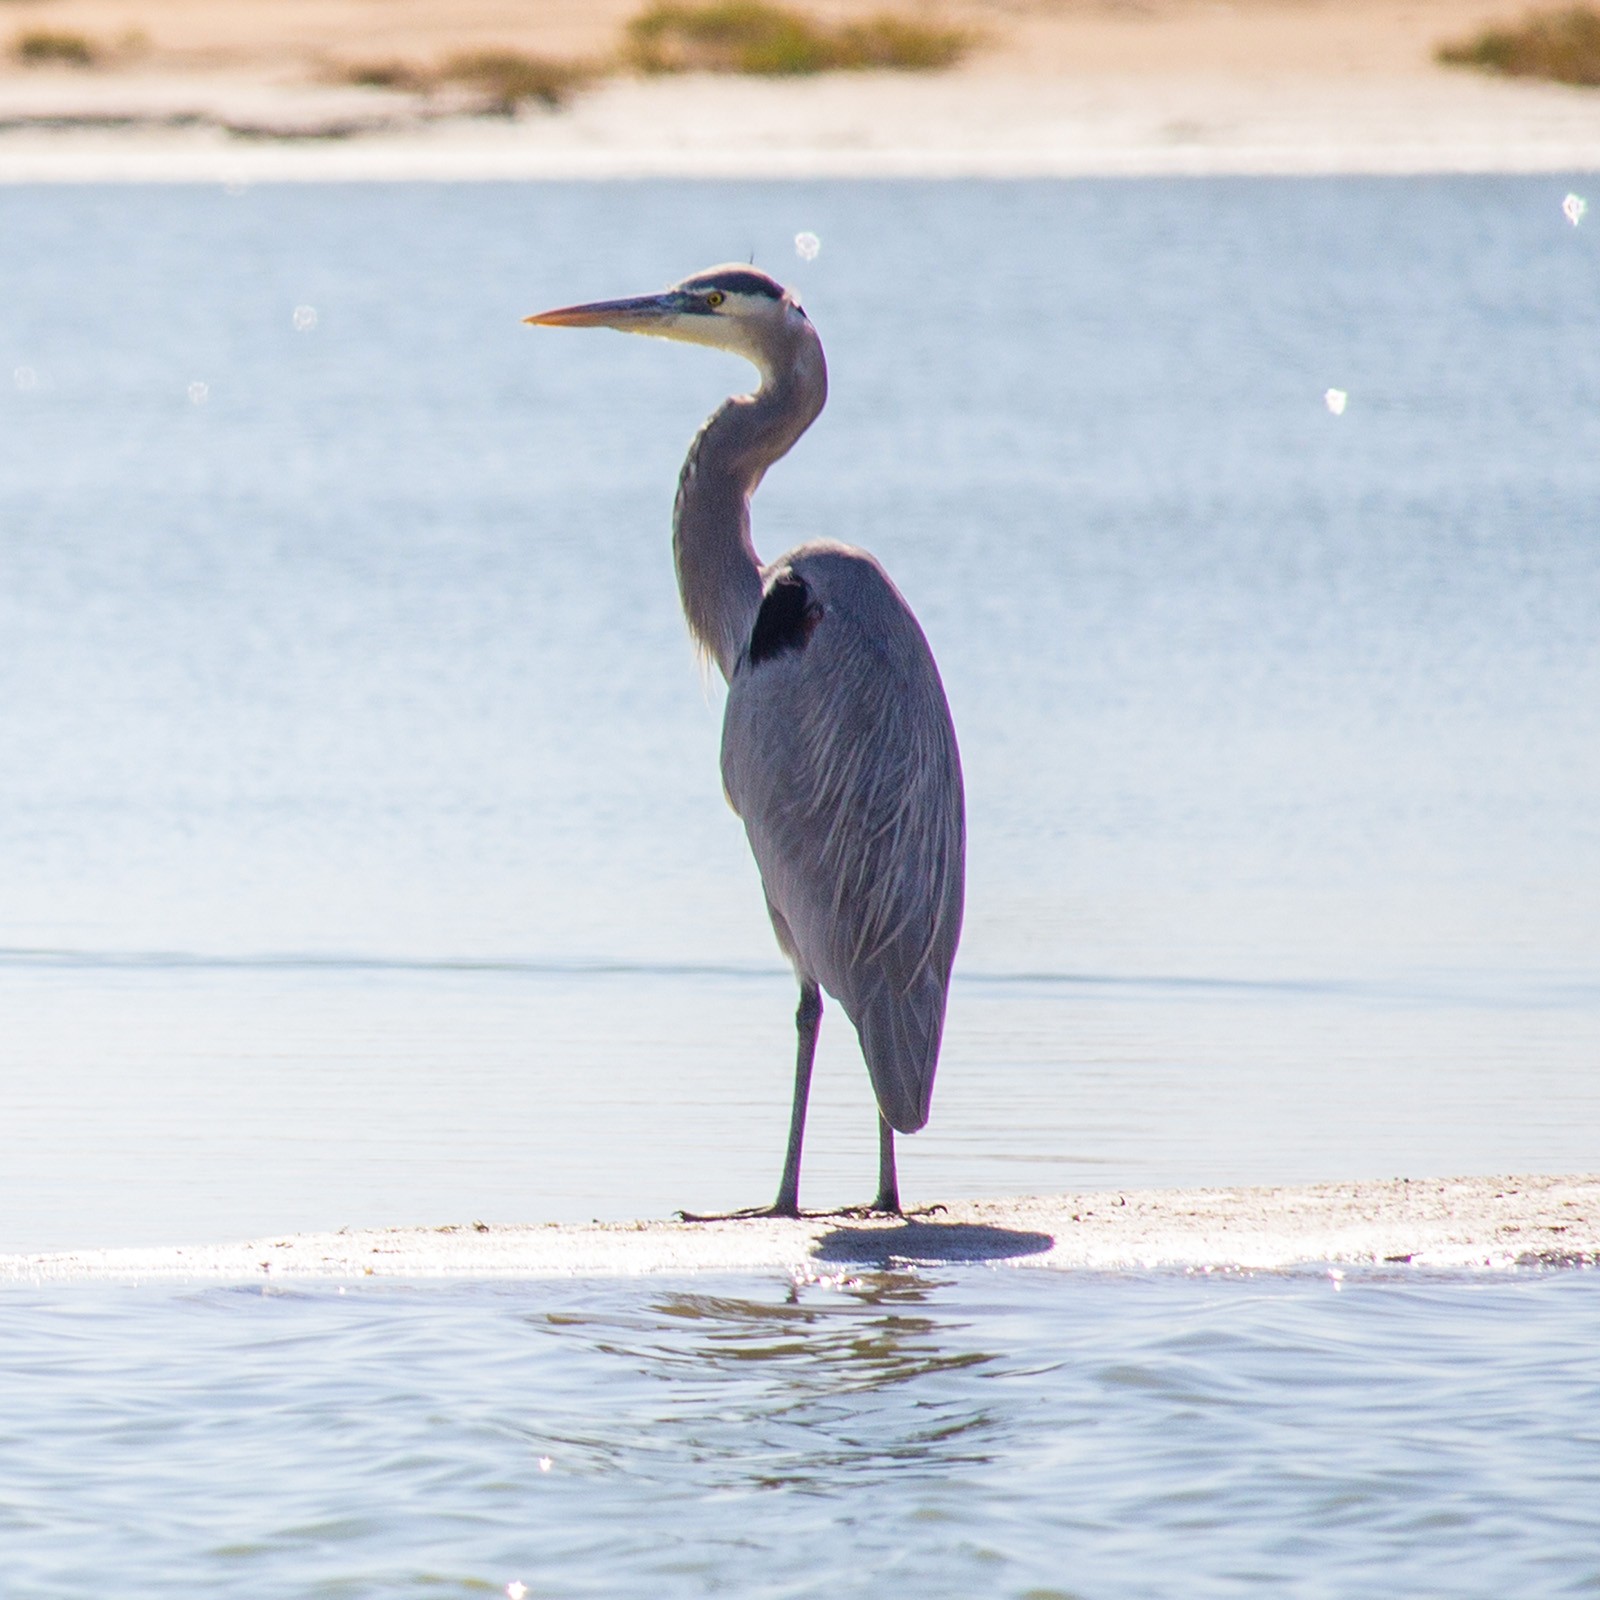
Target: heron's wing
[{"x": 838, "y": 753}]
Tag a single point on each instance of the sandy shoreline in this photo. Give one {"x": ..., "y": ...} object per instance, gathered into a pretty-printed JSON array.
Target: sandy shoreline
[
  {"x": 1441, "y": 1224},
  {"x": 847, "y": 126},
  {"x": 259, "y": 90}
]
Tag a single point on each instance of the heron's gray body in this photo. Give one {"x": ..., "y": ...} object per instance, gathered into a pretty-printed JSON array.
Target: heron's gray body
[
  {"x": 838, "y": 751},
  {"x": 840, "y": 758}
]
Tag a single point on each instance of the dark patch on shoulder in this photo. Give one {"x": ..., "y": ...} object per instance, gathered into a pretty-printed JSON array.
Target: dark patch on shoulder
[{"x": 787, "y": 619}]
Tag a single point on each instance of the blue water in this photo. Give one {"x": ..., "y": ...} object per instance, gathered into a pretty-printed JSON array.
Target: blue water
[
  {"x": 362, "y": 854},
  {"x": 362, "y": 860},
  {"x": 936, "y": 1437}
]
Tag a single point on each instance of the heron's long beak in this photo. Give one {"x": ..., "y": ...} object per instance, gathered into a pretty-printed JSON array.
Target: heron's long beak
[{"x": 647, "y": 313}]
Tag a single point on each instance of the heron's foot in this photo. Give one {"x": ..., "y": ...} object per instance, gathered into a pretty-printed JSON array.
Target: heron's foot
[
  {"x": 883, "y": 1206},
  {"x": 786, "y": 1213}
]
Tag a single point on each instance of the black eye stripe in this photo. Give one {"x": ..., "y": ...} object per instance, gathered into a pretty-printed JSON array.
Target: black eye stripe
[{"x": 741, "y": 283}]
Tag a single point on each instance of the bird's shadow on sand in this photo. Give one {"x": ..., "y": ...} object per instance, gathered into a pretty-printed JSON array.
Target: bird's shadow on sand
[{"x": 927, "y": 1243}]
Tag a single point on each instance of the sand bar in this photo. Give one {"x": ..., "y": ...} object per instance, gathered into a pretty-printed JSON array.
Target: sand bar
[{"x": 1441, "y": 1224}]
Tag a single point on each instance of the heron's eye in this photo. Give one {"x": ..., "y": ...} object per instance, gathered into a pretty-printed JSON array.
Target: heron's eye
[{"x": 715, "y": 298}]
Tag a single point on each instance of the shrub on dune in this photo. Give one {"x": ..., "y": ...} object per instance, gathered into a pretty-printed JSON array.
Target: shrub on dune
[
  {"x": 1560, "y": 45},
  {"x": 753, "y": 36}
]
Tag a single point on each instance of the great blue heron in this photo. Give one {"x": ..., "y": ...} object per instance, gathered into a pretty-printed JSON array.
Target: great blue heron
[{"x": 837, "y": 747}]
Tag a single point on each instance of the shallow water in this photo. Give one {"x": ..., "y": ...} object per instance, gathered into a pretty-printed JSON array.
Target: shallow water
[
  {"x": 362, "y": 857},
  {"x": 995, "y": 1433},
  {"x": 362, "y": 861}
]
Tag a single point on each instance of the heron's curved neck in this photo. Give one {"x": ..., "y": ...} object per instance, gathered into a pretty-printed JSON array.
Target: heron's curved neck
[{"x": 719, "y": 573}]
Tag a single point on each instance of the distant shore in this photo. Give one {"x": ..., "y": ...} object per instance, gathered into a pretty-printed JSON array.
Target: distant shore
[
  {"x": 261, "y": 91},
  {"x": 846, "y": 126},
  {"x": 1439, "y": 1224}
]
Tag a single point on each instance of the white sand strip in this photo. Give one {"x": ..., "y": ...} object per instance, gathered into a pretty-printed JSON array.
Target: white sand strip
[
  {"x": 1431, "y": 1223},
  {"x": 842, "y": 125}
]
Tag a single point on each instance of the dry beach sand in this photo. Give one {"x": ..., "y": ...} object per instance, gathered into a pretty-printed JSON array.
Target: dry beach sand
[
  {"x": 256, "y": 89},
  {"x": 1453, "y": 1224}
]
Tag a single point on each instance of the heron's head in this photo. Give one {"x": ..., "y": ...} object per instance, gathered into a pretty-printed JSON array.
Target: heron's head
[{"x": 735, "y": 308}]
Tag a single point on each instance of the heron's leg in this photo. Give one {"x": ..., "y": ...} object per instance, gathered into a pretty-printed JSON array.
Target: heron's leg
[
  {"x": 888, "y": 1184},
  {"x": 807, "y": 1018}
]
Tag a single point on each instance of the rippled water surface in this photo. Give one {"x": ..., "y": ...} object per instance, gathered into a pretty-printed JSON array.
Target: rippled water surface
[{"x": 994, "y": 1433}]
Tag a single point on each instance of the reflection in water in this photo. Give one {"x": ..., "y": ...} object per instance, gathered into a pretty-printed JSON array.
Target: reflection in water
[{"x": 819, "y": 1361}]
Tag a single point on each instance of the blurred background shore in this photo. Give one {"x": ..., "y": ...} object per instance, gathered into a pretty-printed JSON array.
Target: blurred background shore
[{"x": 97, "y": 89}]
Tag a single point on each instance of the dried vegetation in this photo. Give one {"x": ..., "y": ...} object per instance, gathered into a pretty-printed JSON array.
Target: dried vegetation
[
  {"x": 1563, "y": 46},
  {"x": 732, "y": 36},
  {"x": 744, "y": 36},
  {"x": 44, "y": 47},
  {"x": 752, "y": 36},
  {"x": 504, "y": 79}
]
